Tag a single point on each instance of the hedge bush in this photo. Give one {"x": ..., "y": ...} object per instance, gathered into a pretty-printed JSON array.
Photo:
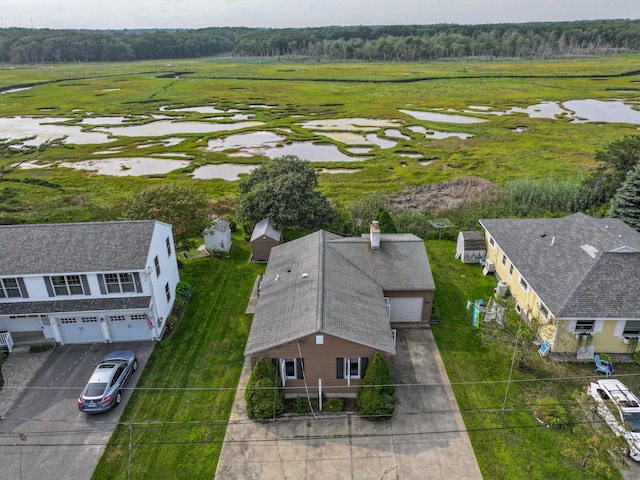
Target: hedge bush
[
  {"x": 334, "y": 404},
  {"x": 375, "y": 397},
  {"x": 264, "y": 394}
]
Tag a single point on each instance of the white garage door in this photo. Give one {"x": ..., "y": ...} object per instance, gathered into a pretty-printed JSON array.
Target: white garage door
[
  {"x": 129, "y": 327},
  {"x": 80, "y": 329},
  {"x": 406, "y": 309}
]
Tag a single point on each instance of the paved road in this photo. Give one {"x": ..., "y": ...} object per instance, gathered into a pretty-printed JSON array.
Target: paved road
[{"x": 44, "y": 435}]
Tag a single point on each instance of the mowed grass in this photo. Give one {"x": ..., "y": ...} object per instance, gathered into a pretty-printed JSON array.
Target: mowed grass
[
  {"x": 174, "y": 424},
  {"x": 509, "y": 442}
]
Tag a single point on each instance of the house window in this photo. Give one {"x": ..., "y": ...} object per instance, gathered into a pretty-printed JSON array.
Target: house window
[
  {"x": 543, "y": 311},
  {"x": 492, "y": 242},
  {"x": 631, "y": 328},
  {"x": 89, "y": 319},
  {"x": 67, "y": 285},
  {"x": 351, "y": 367},
  {"x": 138, "y": 316},
  {"x": 289, "y": 368},
  {"x": 116, "y": 318},
  {"x": 157, "y": 264},
  {"x": 511, "y": 270},
  {"x": 119, "y": 282},
  {"x": 167, "y": 290},
  {"x": 524, "y": 284},
  {"x": 168, "y": 246},
  {"x": 67, "y": 320},
  {"x": 9, "y": 288},
  {"x": 504, "y": 260},
  {"x": 584, "y": 326},
  {"x": 518, "y": 308}
]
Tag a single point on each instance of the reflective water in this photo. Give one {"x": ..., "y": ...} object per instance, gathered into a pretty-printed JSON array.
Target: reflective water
[
  {"x": 435, "y": 134},
  {"x": 164, "y": 127},
  {"x": 381, "y": 142},
  {"x": 123, "y": 167},
  {"x": 247, "y": 144},
  {"x": 395, "y": 133},
  {"x": 602, "y": 111},
  {"x": 224, "y": 171},
  {"x": 347, "y": 124},
  {"x": 44, "y": 128},
  {"x": 103, "y": 120},
  {"x": 339, "y": 170},
  {"x": 14, "y": 90},
  {"x": 312, "y": 152},
  {"x": 441, "y": 117}
]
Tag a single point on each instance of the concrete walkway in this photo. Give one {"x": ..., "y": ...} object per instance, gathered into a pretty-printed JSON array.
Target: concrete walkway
[
  {"x": 17, "y": 371},
  {"x": 425, "y": 439}
]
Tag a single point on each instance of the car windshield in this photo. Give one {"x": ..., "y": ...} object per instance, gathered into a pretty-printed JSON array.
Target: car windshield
[
  {"x": 95, "y": 389},
  {"x": 633, "y": 419}
]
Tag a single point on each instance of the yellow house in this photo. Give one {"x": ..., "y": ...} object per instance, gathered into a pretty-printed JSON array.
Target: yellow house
[{"x": 578, "y": 275}]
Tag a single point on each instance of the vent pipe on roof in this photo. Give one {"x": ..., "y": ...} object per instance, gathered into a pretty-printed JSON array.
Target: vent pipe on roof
[
  {"x": 553, "y": 240},
  {"x": 374, "y": 235}
]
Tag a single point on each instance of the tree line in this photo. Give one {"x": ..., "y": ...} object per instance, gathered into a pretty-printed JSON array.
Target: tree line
[{"x": 388, "y": 43}]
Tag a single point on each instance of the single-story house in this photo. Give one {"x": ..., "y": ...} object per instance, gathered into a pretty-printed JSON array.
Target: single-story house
[
  {"x": 326, "y": 304},
  {"x": 264, "y": 237},
  {"x": 577, "y": 275},
  {"x": 470, "y": 247},
  {"x": 217, "y": 237},
  {"x": 87, "y": 282}
]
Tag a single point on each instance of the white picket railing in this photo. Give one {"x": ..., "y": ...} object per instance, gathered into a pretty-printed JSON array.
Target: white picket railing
[{"x": 6, "y": 340}]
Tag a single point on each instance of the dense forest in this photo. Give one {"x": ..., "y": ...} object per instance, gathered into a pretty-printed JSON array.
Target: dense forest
[{"x": 397, "y": 43}]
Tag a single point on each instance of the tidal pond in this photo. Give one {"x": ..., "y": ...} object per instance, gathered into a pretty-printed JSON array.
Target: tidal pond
[
  {"x": 125, "y": 167},
  {"x": 224, "y": 171}
]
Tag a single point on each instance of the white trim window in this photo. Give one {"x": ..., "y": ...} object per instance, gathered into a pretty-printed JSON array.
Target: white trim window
[
  {"x": 544, "y": 311},
  {"x": 351, "y": 367},
  {"x": 168, "y": 242},
  {"x": 631, "y": 328},
  {"x": 524, "y": 284},
  {"x": 584, "y": 326},
  {"x": 67, "y": 285},
  {"x": 289, "y": 368},
  {"x": 10, "y": 288},
  {"x": 156, "y": 263},
  {"x": 492, "y": 242},
  {"x": 119, "y": 282},
  {"x": 504, "y": 260},
  {"x": 511, "y": 270}
]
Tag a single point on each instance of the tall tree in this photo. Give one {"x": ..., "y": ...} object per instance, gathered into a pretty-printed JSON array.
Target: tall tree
[
  {"x": 615, "y": 160},
  {"x": 626, "y": 204},
  {"x": 182, "y": 206},
  {"x": 285, "y": 190}
]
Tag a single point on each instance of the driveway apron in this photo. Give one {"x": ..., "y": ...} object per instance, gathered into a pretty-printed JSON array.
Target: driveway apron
[{"x": 425, "y": 439}]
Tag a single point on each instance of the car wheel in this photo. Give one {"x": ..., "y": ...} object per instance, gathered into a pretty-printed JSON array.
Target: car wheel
[
  {"x": 118, "y": 398},
  {"x": 135, "y": 365}
]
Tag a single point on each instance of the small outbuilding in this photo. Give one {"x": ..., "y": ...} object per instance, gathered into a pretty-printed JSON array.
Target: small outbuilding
[
  {"x": 264, "y": 238},
  {"x": 471, "y": 247},
  {"x": 217, "y": 237}
]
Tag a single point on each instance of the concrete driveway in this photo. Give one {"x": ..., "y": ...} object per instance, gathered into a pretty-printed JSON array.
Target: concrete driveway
[
  {"x": 44, "y": 435},
  {"x": 425, "y": 439}
]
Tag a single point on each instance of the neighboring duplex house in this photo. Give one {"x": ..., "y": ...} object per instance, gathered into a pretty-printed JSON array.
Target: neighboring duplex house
[
  {"x": 326, "y": 304},
  {"x": 87, "y": 282},
  {"x": 578, "y": 275}
]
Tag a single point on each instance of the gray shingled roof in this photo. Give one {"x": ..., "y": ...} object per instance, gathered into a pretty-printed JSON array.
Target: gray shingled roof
[
  {"x": 556, "y": 255},
  {"x": 74, "y": 247},
  {"x": 219, "y": 225},
  {"x": 342, "y": 291},
  {"x": 78, "y": 305},
  {"x": 265, "y": 228},
  {"x": 473, "y": 240}
]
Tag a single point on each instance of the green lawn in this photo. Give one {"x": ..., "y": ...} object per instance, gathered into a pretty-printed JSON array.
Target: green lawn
[{"x": 176, "y": 418}]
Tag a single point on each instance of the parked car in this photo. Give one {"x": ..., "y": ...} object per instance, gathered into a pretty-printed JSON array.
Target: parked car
[
  {"x": 624, "y": 421},
  {"x": 103, "y": 392}
]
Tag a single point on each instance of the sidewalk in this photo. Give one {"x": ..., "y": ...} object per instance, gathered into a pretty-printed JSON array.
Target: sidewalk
[{"x": 17, "y": 371}]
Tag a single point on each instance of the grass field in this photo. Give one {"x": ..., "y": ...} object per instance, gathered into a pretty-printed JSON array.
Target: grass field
[{"x": 548, "y": 148}]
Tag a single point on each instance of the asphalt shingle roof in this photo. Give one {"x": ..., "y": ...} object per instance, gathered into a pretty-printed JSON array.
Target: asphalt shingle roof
[
  {"x": 72, "y": 306},
  {"x": 326, "y": 283},
  {"x": 74, "y": 247},
  {"x": 265, "y": 228},
  {"x": 556, "y": 255}
]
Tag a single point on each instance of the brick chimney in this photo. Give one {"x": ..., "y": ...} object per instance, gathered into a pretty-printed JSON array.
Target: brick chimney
[{"x": 374, "y": 235}]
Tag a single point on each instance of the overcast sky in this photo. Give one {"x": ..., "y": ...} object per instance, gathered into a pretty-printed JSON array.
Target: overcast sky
[{"x": 120, "y": 14}]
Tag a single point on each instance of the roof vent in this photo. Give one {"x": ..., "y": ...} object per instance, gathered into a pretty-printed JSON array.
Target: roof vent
[
  {"x": 374, "y": 235},
  {"x": 305, "y": 275}
]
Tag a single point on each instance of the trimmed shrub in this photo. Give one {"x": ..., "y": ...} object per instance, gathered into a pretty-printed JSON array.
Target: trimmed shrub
[
  {"x": 375, "y": 397},
  {"x": 264, "y": 394},
  {"x": 334, "y": 405},
  {"x": 302, "y": 405},
  {"x": 552, "y": 413}
]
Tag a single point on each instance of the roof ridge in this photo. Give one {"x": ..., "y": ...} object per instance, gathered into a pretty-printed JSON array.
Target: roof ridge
[
  {"x": 320, "y": 290},
  {"x": 570, "y": 295}
]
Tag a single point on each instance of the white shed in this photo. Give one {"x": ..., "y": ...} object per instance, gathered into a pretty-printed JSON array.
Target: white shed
[
  {"x": 218, "y": 236},
  {"x": 470, "y": 247}
]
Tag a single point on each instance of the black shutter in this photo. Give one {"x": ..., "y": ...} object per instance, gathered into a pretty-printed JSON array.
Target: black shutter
[
  {"x": 47, "y": 282},
  {"x": 364, "y": 363},
  {"x": 275, "y": 363},
  {"x": 136, "y": 279},
  {"x": 339, "y": 367},
  {"x": 103, "y": 289},
  {"x": 85, "y": 285},
  {"x": 23, "y": 288},
  {"x": 299, "y": 367}
]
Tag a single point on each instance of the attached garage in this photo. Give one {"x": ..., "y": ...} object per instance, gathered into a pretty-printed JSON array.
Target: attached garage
[
  {"x": 80, "y": 329},
  {"x": 406, "y": 309},
  {"x": 128, "y": 327}
]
